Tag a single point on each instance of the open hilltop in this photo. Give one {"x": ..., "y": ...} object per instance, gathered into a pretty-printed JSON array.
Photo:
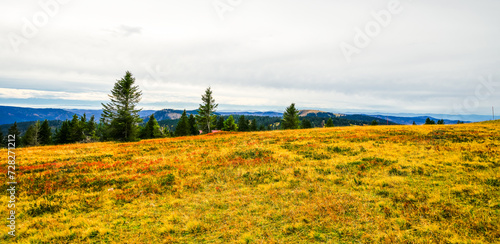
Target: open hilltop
[{"x": 413, "y": 184}]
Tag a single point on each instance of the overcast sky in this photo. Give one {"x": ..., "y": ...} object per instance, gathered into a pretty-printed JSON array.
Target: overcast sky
[{"x": 386, "y": 56}]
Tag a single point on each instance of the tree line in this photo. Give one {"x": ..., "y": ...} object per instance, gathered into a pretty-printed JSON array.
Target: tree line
[{"x": 120, "y": 121}]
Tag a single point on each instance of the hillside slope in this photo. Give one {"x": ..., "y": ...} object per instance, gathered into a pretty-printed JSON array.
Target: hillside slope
[{"x": 392, "y": 184}]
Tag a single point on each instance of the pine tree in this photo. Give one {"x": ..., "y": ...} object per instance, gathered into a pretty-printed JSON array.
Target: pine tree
[
  {"x": 290, "y": 118},
  {"x": 182, "y": 128},
  {"x": 229, "y": 124},
  {"x": 121, "y": 113},
  {"x": 193, "y": 127},
  {"x": 243, "y": 123},
  {"x": 91, "y": 129},
  {"x": 206, "y": 111},
  {"x": 440, "y": 122},
  {"x": 374, "y": 122},
  {"x": 414, "y": 123},
  {"x": 30, "y": 137},
  {"x": 220, "y": 123},
  {"x": 14, "y": 131},
  {"x": 329, "y": 123},
  {"x": 63, "y": 135},
  {"x": 151, "y": 129},
  {"x": 428, "y": 121},
  {"x": 253, "y": 125},
  {"x": 2, "y": 140},
  {"x": 306, "y": 124},
  {"x": 45, "y": 135},
  {"x": 76, "y": 130}
]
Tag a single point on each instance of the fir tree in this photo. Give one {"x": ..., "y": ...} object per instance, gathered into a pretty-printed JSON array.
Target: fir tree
[
  {"x": 182, "y": 128},
  {"x": 290, "y": 118},
  {"x": 14, "y": 131},
  {"x": 121, "y": 113},
  {"x": 2, "y": 140},
  {"x": 151, "y": 129},
  {"x": 76, "y": 130},
  {"x": 63, "y": 135},
  {"x": 428, "y": 121},
  {"x": 414, "y": 123},
  {"x": 193, "y": 127},
  {"x": 229, "y": 124},
  {"x": 374, "y": 122},
  {"x": 220, "y": 123},
  {"x": 253, "y": 125},
  {"x": 243, "y": 123},
  {"x": 206, "y": 111},
  {"x": 329, "y": 123},
  {"x": 45, "y": 135},
  {"x": 30, "y": 137},
  {"x": 306, "y": 124}
]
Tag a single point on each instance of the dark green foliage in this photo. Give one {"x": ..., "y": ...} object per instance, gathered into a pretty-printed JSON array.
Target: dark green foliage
[
  {"x": 45, "y": 135},
  {"x": 414, "y": 123},
  {"x": 428, "y": 121},
  {"x": 30, "y": 138},
  {"x": 440, "y": 122},
  {"x": 14, "y": 131},
  {"x": 63, "y": 135},
  {"x": 90, "y": 129},
  {"x": 183, "y": 128},
  {"x": 206, "y": 111},
  {"x": 306, "y": 124},
  {"x": 76, "y": 129},
  {"x": 121, "y": 113},
  {"x": 2, "y": 140},
  {"x": 230, "y": 125},
  {"x": 220, "y": 123},
  {"x": 374, "y": 122},
  {"x": 243, "y": 124},
  {"x": 151, "y": 129},
  {"x": 290, "y": 118},
  {"x": 329, "y": 123},
  {"x": 253, "y": 125},
  {"x": 193, "y": 127}
]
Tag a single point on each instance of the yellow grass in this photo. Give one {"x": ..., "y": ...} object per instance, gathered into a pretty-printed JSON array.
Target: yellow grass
[{"x": 403, "y": 184}]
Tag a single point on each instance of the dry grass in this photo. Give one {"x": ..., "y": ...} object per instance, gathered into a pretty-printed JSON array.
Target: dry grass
[{"x": 405, "y": 184}]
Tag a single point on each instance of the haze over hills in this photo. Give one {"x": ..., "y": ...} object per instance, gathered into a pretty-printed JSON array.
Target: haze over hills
[{"x": 9, "y": 115}]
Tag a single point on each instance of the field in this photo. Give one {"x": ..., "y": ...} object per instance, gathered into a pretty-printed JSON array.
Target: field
[{"x": 368, "y": 184}]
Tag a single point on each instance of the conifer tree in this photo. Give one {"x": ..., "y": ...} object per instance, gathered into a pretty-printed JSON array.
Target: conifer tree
[
  {"x": 306, "y": 124},
  {"x": 243, "y": 123},
  {"x": 182, "y": 128},
  {"x": 290, "y": 118},
  {"x": 229, "y": 124},
  {"x": 30, "y": 137},
  {"x": 121, "y": 114},
  {"x": 2, "y": 140},
  {"x": 206, "y": 111},
  {"x": 76, "y": 130},
  {"x": 193, "y": 127},
  {"x": 220, "y": 123},
  {"x": 329, "y": 123},
  {"x": 151, "y": 129},
  {"x": 14, "y": 131},
  {"x": 63, "y": 135},
  {"x": 374, "y": 122},
  {"x": 253, "y": 125},
  {"x": 45, "y": 135}
]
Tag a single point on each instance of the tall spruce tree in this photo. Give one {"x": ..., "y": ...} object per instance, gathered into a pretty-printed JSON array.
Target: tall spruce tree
[
  {"x": 121, "y": 114},
  {"x": 30, "y": 137},
  {"x": 220, "y": 123},
  {"x": 206, "y": 111},
  {"x": 151, "y": 129},
  {"x": 243, "y": 123},
  {"x": 193, "y": 127},
  {"x": 63, "y": 135},
  {"x": 253, "y": 125},
  {"x": 14, "y": 131},
  {"x": 306, "y": 124},
  {"x": 45, "y": 135},
  {"x": 229, "y": 124},
  {"x": 76, "y": 130},
  {"x": 290, "y": 118},
  {"x": 329, "y": 123},
  {"x": 2, "y": 140},
  {"x": 182, "y": 128}
]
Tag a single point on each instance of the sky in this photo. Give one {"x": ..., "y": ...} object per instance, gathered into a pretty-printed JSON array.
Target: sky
[{"x": 406, "y": 56}]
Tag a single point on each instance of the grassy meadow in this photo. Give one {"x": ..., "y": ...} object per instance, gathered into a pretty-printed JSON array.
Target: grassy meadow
[{"x": 359, "y": 184}]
